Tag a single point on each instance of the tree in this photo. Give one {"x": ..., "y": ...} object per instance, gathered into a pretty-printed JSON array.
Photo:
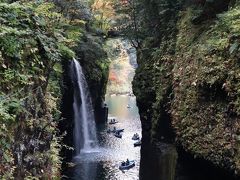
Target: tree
[
  {"x": 104, "y": 13},
  {"x": 74, "y": 9},
  {"x": 129, "y": 20}
]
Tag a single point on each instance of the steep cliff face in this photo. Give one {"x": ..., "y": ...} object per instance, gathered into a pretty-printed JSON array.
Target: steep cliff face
[
  {"x": 188, "y": 81},
  {"x": 94, "y": 62},
  {"x": 153, "y": 80},
  {"x": 205, "y": 108},
  {"x": 35, "y": 43},
  {"x": 29, "y": 91}
]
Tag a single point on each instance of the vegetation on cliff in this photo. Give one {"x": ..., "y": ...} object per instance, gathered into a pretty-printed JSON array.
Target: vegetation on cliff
[
  {"x": 31, "y": 52},
  {"x": 188, "y": 77},
  {"x": 205, "y": 107},
  {"x": 186, "y": 83},
  {"x": 36, "y": 37}
]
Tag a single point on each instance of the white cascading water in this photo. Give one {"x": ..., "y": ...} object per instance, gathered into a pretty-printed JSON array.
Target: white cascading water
[{"x": 84, "y": 128}]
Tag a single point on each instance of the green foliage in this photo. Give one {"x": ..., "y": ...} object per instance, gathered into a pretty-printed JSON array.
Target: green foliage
[
  {"x": 66, "y": 51},
  {"x": 230, "y": 21},
  {"x": 205, "y": 87},
  {"x": 190, "y": 73},
  {"x": 11, "y": 45},
  {"x": 6, "y": 139},
  {"x": 104, "y": 13},
  {"x": 33, "y": 42},
  {"x": 75, "y": 10},
  {"x": 35, "y": 37}
]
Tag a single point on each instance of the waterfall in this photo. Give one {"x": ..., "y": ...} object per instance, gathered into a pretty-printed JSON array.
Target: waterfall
[{"x": 84, "y": 122}]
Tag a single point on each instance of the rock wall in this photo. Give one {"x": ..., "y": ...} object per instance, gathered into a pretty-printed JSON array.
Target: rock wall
[
  {"x": 188, "y": 78},
  {"x": 36, "y": 46},
  {"x": 94, "y": 62},
  {"x": 30, "y": 74}
]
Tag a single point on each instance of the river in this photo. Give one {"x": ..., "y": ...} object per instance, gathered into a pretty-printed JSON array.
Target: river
[
  {"x": 160, "y": 161},
  {"x": 103, "y": 162}
]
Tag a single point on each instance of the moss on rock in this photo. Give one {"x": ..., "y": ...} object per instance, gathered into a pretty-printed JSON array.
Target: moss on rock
[
  {"x": 193, "y": 77},
  {"x": 95, "y": 63},
  {"x": 205, "y": 105}
]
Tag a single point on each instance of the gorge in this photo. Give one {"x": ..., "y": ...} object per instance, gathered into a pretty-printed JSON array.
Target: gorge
[{"x": 165, "y": 69}]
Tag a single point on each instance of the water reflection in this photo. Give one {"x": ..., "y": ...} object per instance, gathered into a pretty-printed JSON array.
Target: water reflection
[
  {"x": 122, "y": 68},
  {"x": 103, "y": 163},
  {"x": 158, "y": 162},
  {"x": 85, "y": 171},
  {"x": 162, "y": 162},
  {"x": 119, "y": 107}
]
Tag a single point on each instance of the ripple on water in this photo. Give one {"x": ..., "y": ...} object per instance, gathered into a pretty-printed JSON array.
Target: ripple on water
[{"x": 102, "y": 163}]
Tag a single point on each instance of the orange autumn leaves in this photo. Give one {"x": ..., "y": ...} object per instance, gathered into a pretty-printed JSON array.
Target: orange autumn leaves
[
  {"x": 104, "y": 13},
  {"x": 104, "y": 7},
  {"x": 114, "y": 78}
]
